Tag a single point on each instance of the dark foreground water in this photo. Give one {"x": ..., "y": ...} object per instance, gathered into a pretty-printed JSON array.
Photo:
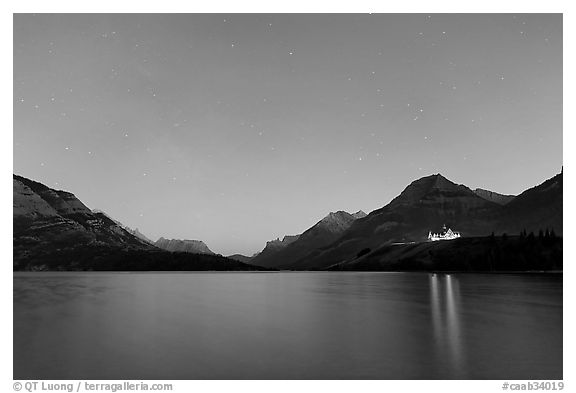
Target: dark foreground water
[{"x": 287, "y": 326}]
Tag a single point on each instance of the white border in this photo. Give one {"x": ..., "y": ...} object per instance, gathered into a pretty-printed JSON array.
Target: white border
[{"x": 301, "y": 6}]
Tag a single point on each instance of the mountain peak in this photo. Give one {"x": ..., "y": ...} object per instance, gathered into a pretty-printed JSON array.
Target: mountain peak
[
  {"x": 432, "y": 184},
  {"x": 441, "y": 183},
  {"x": 359, "y": 214}
]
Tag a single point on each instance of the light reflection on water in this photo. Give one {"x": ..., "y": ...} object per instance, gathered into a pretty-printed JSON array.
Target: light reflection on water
[
  {"x": 446, "y": 321},
  {"x": 287, "y": 326}
]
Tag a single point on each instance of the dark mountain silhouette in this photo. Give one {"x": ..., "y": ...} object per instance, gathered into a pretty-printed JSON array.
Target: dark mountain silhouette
[
  {"x": 53, "y": 230},
  {"x": 322, "y": 233},
  {"x": 538, "y": 208},
  {"x": 491, "y": 253},
  {"x": 492, "y": 196},
  {"x": 428, "y": 203}
]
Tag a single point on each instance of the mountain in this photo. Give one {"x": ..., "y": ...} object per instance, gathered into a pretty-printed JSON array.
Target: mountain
[
  {"x": 359, "y": 214},
  {"x": 537, "y": 208},
  {"x": 138, "y": 234},
  {"x": 273, "y": 246},
  {"x": 175, "y": 245},
  {"x": 432, "y": 201},
  {"x": 492, "y": 196},
  {"x": 240, "y": 257},
  {"x": 54, "y": 230},
  {"x": 283, "y": 253},
  {"x": 425, "y": 205},
  {"x": 45, "y": 218},
  {"x": 134, "y": 232}
]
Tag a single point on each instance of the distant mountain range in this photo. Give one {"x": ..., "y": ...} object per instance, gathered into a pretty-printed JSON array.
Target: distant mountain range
[
  {"x": 175, "y": 245},
  {"x": 240, "y": 257},
  {"x": 291, "y": 248},
  {"x": 53, "y": 230}
]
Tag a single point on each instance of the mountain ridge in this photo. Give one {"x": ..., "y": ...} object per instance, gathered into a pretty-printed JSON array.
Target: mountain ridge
[
  {"x": 427, "y": 204},
  {"x": 323, "y": 232},
  {"x": 183, "y": 245},
  {"x": 54, "y": 230}
]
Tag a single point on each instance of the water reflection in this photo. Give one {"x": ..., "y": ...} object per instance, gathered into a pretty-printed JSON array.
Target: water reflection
[
  {"x": 287, "y": 326},
  {"x": 446, "y": 322}
]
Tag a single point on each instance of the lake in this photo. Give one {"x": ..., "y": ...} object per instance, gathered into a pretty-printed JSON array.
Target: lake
[{"x": 287, "y": 325}]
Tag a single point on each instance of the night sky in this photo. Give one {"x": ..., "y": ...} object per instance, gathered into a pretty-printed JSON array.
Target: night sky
[{"x": 237, "y": 129}]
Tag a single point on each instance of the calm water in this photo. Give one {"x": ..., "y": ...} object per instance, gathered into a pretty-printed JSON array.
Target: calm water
[{"x": 287, "y": 326}]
